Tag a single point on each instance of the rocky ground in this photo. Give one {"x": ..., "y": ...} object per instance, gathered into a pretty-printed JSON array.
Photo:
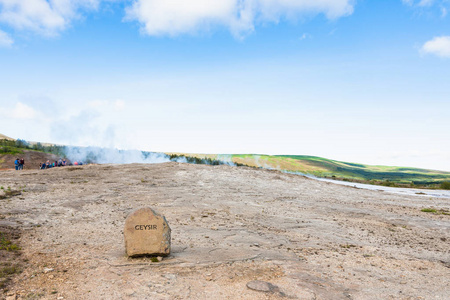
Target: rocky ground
[{"x": 301, "y": 238}]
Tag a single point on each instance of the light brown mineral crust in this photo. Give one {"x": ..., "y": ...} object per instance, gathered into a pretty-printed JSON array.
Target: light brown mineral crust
[{"x": 146, "y": 233}]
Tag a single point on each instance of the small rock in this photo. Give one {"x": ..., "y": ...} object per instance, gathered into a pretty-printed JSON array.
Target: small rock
[
  {"x": 159, "y": 258},
  {"x": 51, "y": 276},
  {"x": 170, "y": 276},
  {"x": 46, "y": 270},
  {"x": 262, "y": 286}
]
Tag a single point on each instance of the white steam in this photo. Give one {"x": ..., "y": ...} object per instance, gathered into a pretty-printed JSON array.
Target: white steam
[
  {"x": 264, "y": 164},
  {"x": 113, "y": 156},
  {"x": 226, "y": 159}
]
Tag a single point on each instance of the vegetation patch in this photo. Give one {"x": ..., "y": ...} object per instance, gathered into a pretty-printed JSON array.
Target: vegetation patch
[
  {"x": 10, "y": 258},
  {"x": 8, "y": 193},
  {"x": 6, "y": 244},
  {"x": 445, "y": 185},
  {"x": 17, "y": 146},
  {"x": 436, "y": 211}
]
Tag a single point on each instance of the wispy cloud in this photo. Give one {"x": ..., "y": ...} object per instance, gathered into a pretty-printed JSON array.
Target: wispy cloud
[
  {"x": 439, "y": 46},
  {"x": 23, "y": 111},
  {"x": 172, "y": 17},
  {"x": 419, "y": 2},
  {"x": 41, "y": 16},
  {"x": 441, "y": 5},
  {"x": 305, "y": 36},
  {"x": 116, "y": 105},
  {"x": 5, "y": 39}
]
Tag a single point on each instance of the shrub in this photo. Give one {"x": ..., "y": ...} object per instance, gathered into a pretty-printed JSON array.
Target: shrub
[
  {"x": 445, "y": 185},
  {"x": 6, "y": 244}
]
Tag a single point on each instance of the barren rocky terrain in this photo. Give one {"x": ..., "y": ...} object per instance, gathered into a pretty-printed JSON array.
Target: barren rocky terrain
[{"x": 230, "y": 226}]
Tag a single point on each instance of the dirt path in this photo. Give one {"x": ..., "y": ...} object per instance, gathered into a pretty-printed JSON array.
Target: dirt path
[{"x": 314, "y": 240}]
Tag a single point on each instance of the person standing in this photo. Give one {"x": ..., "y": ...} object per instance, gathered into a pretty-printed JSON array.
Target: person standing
[
  {"x": 16, "y": 164},
  {"x": 21, "y": 163}
]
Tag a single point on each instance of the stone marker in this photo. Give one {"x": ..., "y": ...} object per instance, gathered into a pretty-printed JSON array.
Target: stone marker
[{"x": 146, "y": 233}]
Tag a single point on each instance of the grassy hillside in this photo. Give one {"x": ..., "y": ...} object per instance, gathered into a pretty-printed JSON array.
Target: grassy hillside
[
  {"x": 33, "y": 153},
  {"x": 327, "y": 168}
]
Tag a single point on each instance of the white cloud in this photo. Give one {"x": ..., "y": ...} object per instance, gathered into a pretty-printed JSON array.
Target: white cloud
[
  {"x": 119, "y": 105},
  {"x": 23, "y": 111},
  {"x": 173, "y": 17},
  {"x": 5, "y": 39},
  {"x": 169, "y": 17},
  {"x": 42, "y": 16},
  {"x": 439, "y": 46}
]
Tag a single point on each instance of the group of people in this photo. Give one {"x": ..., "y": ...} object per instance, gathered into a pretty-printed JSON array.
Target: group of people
[
  {"x": 58, "y": 163},
  {"x": 18, "y": 163}
]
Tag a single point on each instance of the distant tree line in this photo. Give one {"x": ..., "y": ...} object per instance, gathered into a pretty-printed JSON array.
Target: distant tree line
[
  {"x": 17, "y": 147},
  {"x": 201, "y": 161},
  {"x": 195, "y": 160}
]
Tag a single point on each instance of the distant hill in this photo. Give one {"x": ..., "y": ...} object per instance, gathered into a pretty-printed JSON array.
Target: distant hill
[
  {"x": 4, "y": 137},
  {"x": 333, "y": 169}
]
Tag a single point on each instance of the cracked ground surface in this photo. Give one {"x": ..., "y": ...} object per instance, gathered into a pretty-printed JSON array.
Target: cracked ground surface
[{"x": 230, "y": 226}]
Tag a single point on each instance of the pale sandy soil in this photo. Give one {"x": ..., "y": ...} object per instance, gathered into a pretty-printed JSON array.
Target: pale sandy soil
[{"x": 314, "y": 240}]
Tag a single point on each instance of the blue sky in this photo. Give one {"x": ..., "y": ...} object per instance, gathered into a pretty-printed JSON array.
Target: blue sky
[{"x": 360, "y": 81}]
